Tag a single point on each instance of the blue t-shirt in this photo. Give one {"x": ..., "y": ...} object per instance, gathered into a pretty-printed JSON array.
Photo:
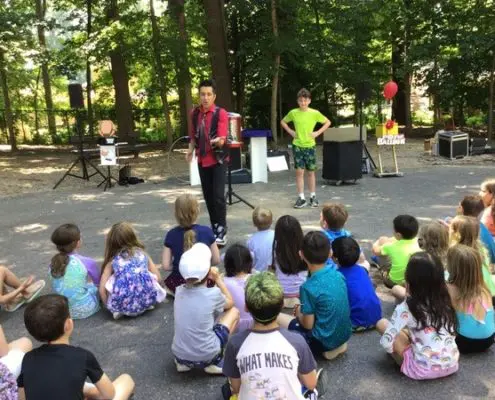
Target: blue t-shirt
[
  {"x": 365, "y": 305},
  {"x": 487, "y": 239},
  {"x": 332, "y": 235},
  {"x": 324, "y": 294},
  {"x": 174, "y": 240},
  {"x": 260, "y": 244}
]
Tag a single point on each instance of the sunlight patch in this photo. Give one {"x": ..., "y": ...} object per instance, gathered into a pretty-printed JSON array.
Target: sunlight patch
[{"x": 32, "y": 228}]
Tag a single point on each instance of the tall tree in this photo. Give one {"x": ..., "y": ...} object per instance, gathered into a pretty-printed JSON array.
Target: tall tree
[
  {"x": 6, "y": 101},
  {"x": 276, "y": 68},
  {"x": 41, "y": 24},
  {"x": 120, "y": 78},
  {"x": 182, "y": 64},
  {"x": 89, "y": 77},
  {"x": 217, "y": 45},
  {"x": 155, "y": 39}
]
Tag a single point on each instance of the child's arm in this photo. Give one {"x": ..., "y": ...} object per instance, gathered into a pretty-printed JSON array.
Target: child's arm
[
  {"x": 4, "y": 345},
  {"x": 107, "y": 272},
  {"x": 104, "y": 389},
  {"x": 6, "y": 298},
  {"x": 309, "y": 380},
  {"x": 306, "y": 320},
  {"x": 377, "y": 246},
  {"x": 167, "y": 258},
  {"x": 20, "y": 394},
  {"x": 399, "y": 320},
  {"x": 235, "y": 384},
  {"x": 325, "y": 126},
  {"x": 153, "y": 268},
  {"x": 287, "y": 128},
  {"x": 215, "y": 254},
  {"x": 215, "y": 276}
]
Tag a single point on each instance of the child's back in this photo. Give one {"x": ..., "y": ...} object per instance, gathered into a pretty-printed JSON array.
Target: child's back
[
  {"x": 82, "y": 295},
  {"x": 261, "y": 245},
  {"x": 399, "y": 253},
  {"x": 236, "y": 286}
]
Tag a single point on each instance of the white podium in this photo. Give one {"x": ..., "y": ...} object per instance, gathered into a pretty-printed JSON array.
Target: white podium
[
  {"x": 194, "y": 171},
  {"x": 258, "y": 153}
]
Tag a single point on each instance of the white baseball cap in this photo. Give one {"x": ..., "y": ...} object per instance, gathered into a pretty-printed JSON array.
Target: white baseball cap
[{"x": 195, "y": 263}]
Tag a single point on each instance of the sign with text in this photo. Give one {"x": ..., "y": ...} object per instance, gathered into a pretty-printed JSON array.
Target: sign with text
[
  {"x": 108, "y": 155},
  {"x": 391, "y": 140}
]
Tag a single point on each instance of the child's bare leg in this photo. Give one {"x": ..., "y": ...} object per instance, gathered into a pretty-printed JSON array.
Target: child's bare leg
[
  {"x": 23, "y": 344},
  {"x": 300, "y": 180},
  {"x": 124, "y": 386},
  {"x": 7, "y": 277},
  {"x": 381, "y": 326},
  {"x": 311, "y": 181},
  {"x": 284, "y": 320},
  {"x": 399, "y": 292},
  {"x": 230, "y": 319}
]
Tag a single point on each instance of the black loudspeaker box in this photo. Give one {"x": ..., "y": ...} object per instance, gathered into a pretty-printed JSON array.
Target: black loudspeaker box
[
  {"x": 342, "y": 161},
  {"x": 76, "y": 95}
]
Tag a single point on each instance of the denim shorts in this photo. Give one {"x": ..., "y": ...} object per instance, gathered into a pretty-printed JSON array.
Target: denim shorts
[{"x": 222, "y": 333}]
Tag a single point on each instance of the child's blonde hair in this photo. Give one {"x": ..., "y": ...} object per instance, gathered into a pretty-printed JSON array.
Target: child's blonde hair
[
  {"x": 262, "y": 218},
  {"x": 186, "y": 214},
  {"x": 464, "y": 265},
  {"x": 465, "y": 230},
  {"x": 121, "y": 237},
  {"x": 434, "y": 239}
]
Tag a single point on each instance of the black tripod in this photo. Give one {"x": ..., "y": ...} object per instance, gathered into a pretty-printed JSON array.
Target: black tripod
[
  {"x": 367, "y": 154},
  {"x": 81, "y": 156},
  {"x": 230, "y": 192}
]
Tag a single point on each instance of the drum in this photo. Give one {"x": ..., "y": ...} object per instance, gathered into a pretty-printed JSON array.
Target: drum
[{"x": 235, "y": 121}]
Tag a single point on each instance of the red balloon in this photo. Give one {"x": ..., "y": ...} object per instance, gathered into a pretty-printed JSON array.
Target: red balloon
[
  {"x": 390, "y": 90},
  {"x": 389, "y": 124}
]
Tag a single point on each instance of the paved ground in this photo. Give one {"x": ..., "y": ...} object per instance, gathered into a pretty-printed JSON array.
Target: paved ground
[{"x": 141, "y": 346}]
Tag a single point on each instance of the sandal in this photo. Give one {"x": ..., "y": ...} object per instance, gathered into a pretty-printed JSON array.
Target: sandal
[
  {"x": 34, "y": 290},
  {"x": 15, "y": 304}
]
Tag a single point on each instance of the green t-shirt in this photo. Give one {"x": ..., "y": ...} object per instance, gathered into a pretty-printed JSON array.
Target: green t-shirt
[
  {"x": 304, "y": 122},
  {"x": 399, "y": 253}
]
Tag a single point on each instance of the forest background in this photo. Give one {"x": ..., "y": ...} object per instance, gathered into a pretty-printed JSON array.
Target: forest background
[{"x": 139, "y": 63}]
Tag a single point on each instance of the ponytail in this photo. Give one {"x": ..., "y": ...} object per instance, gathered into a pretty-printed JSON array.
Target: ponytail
[
  {"x": 189, "y": 238},
  {"x": 59, "y": 264},
  {"x": 65, "y": 237}
]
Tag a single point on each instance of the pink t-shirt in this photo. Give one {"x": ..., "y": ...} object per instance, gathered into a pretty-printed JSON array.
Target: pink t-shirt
[{"x": 487, "y": 219}]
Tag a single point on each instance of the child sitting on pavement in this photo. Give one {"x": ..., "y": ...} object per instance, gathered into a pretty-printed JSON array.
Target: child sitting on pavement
[
  {"x": 238, "y": 265},
  {"x": 323, "y": 318},
  {"x": 15, "y": 292},
  {"x": 268, "y": 358},
  {"x": 289, "y": 268},
  {"x": 57, "y": 370},
  {"x": 333, "y": 217},
  {"x": 199, "y": 336},
  {"x": 398, "y": 249},
  {"x": 261, "y": 242},
  {"x": 365, "y": 306}
]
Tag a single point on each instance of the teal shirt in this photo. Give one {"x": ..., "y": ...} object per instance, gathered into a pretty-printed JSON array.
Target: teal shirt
[{"x": 324, "y": 294}]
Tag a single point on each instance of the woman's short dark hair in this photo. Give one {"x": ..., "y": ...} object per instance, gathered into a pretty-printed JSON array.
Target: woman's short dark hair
[
  {"x": 45, "y": 317},
  {"x": 237, "y": 260}
]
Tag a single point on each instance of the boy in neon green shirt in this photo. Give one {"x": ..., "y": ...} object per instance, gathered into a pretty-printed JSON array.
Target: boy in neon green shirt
[
  {"x": 304, "y": 145},
  {"x": 398, "y": 248}
]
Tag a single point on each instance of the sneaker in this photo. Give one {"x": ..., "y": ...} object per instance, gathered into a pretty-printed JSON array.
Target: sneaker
[
  {"x": 300, "y": 203},
  {"x": 33, "y": 290},
  {"x": 313, "y": 202},
  {"x": 181, "y": 367},
  {"x": 117, "y": 315},
  {"x": 213, "y": 370},
  {"x": 221, "y": 236},
  {"x": 15, "y": 304}
]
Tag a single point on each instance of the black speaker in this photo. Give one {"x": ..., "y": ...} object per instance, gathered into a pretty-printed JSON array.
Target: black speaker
[
  {"x": 235, "y": 155},
  {"x": 76, "y": 95},
  {"x": 342, "y": 161}
]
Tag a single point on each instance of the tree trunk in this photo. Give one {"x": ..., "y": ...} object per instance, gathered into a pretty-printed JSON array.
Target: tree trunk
[
  {"x": 217, "y": 46},
  {"x": 120, "y": 78},
  {"x": 89, "y": 80},
  {"x": 6, "y": 102},
  {"x": 40, "y": 14},
  {"x": 490, "y": 100},
  {"x": 182, "y": 65},
  {"x": 276, "y": 67},
  {"x": 155, "y": 39},
  {"x": 239, "y": 61},
  {"x": 37, "y": 138}
]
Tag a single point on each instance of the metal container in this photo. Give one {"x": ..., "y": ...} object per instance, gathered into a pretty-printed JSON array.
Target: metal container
[
  {"x": 453, "y": 144},
  {"x": 235, "y": 122}
]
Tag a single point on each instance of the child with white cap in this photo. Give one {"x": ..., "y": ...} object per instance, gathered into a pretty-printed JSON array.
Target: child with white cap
[{"x": 204, "y": 317}]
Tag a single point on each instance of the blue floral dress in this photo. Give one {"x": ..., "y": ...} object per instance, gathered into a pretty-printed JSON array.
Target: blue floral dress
[
  {"x": 8, "y": 384},
  {"x": 132, "y": 287},
  {"x": 83, "y": 295}
]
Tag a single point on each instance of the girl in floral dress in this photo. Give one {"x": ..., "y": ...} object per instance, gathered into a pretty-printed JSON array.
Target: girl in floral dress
[{"x": 129, "y": 281}]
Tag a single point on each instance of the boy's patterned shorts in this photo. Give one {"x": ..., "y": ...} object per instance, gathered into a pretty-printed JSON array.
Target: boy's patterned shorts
[{"x": 304, "y": 157}]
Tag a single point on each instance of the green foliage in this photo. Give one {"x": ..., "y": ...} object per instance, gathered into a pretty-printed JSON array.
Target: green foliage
[{"x": 477, "y": 120}]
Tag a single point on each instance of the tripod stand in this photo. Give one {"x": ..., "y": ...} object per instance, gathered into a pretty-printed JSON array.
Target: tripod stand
[
  {"x": 230, "y": 191},
  {"x": 367, "y": 154},
  {"x": 82, "y": 158}
]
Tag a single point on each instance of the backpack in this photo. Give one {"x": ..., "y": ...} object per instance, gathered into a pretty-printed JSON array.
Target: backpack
[{"x": 221, "y": 154}]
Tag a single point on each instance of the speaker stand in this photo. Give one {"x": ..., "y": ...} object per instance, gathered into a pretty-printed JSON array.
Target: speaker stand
[
  {"x": 230, "y": 191},
  {"x": 367, "y": 155}
]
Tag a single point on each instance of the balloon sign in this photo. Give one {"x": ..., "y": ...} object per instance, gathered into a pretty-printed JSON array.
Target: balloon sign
[{"x": 390, "y": 90}]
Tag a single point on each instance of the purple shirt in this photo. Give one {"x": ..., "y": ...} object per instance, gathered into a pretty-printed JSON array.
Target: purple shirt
[
  {"x": 236, "y": 288},
  {"x": 92, "y": 266}
]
